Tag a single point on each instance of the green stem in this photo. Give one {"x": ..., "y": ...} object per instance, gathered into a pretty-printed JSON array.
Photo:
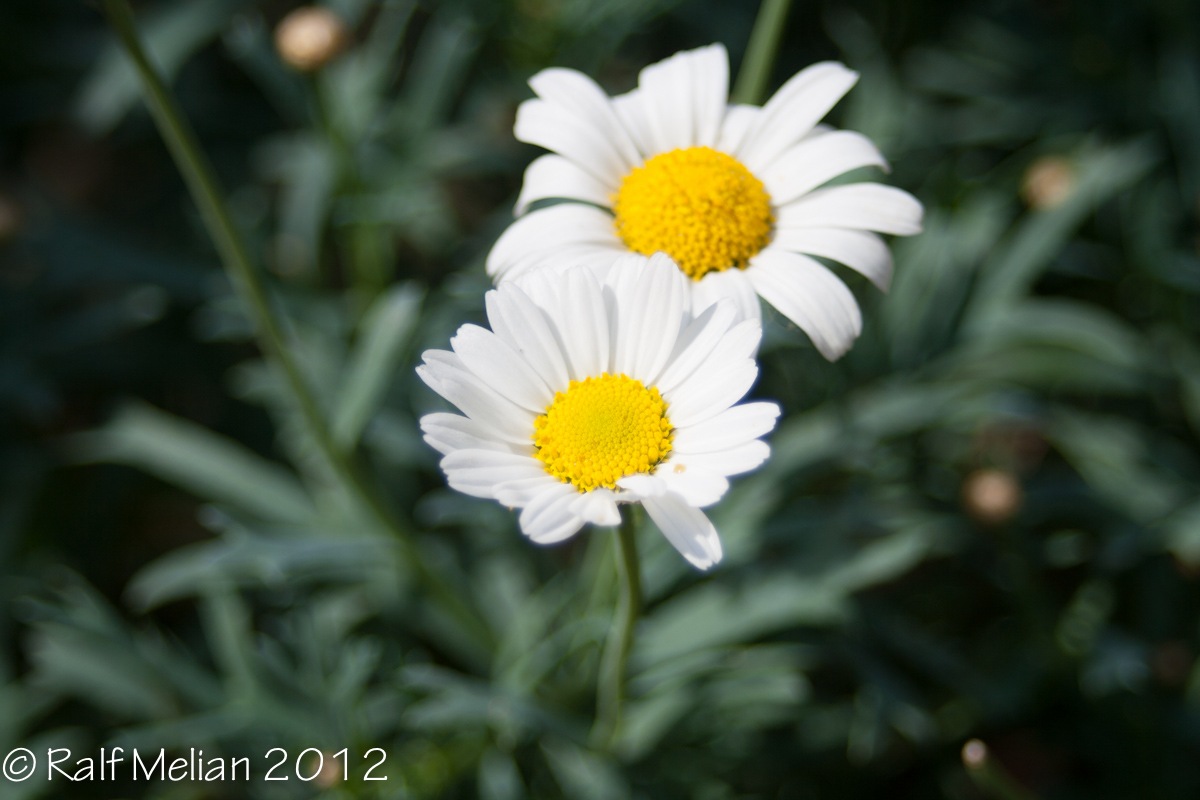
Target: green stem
[
  {"x": 610, "y": 690},
  {"x": 205, "y": 191},
  {"x": 760, "y": 52}
]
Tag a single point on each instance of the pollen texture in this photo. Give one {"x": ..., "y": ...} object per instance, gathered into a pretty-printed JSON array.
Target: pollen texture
[
  {"x": 602, "y": 429},
  {"x": 701, "y": 207}
]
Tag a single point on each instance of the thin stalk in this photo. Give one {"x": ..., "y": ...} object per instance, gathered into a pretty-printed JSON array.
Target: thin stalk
[
  {"x": 205, "y": 191},
  {"x": 760, "y": 52},
  {"x": 610, "y": 689}
]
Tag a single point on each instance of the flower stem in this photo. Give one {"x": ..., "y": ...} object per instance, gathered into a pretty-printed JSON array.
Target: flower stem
[
  {"x": 269, "y": 324},
  {"x": 610, "y": 689},
  {"x": 760, "y": 52}
]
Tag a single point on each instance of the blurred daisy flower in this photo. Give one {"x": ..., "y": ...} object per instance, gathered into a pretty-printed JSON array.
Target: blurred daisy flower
[
  {"x": 732, "y": 193},
  {"x": 588, "y": 393}
]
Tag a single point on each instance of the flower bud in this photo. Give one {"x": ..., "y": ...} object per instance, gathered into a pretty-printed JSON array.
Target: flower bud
[
  {"x": 1048, "y": 182},
  {"x": 309, "y": 37},
  {"x": 974, "y": 754},
  {"x": 331, "y": 771},
  {"x": 991, "y": 496}
]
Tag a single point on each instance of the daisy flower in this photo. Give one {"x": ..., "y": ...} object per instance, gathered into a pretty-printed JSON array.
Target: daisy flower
[
  {"x": 586, "y": 394},
  {"x": 732, "y": 193}
]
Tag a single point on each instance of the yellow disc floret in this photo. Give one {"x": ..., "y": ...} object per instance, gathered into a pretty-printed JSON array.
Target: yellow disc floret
[
  {"x": 702, "y": 208},
  {"x": 602, "y": 429}
]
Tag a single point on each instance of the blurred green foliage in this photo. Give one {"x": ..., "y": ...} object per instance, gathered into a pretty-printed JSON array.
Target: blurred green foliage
[{"x": 983, "y": 522}]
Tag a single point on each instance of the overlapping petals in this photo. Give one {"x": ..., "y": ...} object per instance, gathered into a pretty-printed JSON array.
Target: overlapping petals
[
  {"x": 681, "y": 102},
  {"x": 550, "y": 327}
]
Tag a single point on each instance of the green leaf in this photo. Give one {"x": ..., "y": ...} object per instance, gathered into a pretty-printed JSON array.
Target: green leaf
[
  {"x": 172, "y": 33},
  {"x": 194, "y": 458},
  {"x": 1058, "y": 344},
  {"x": 714, "y": 614},
  {"x": 306, "y": 169},
  {"x": 1112, "y": 456},
  {"x": 583, "y": 775},
  {"x": 646, "y": 720},
  {"x": 101, "y": 670},
  {"x": 385, "y": 331},
  {"x": 499, "y": 778},
  {"x": 1101, "y": 172},
  {"x": 1182, "y": 534},
  {"x": 250, "y": 560}
]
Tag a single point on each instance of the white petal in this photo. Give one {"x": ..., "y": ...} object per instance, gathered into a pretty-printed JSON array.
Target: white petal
[
  {"x": 563, "y": 131},
  {"x": 721, "y": 379},
  {"x": 520, "y": 322},
  {"x": 793, "y": 112},
  {"x": 862, "y": 251},
  {"x": 730, "y": 283},
  {"x": 809, "y": 295},
  {"x": 864, "y": 206},
  {"x": 629, "y": 110},
  {"x": 683, "y": 98},
  {"x": 649, "y": 318},
  {"x": 549, "y": 229},
  {"x": 478, "y": 401},
  {"x": 699, "y": 487},
  {"x": 501, "y": 367},
  {"x": 709, "y": 392},
  {"x": 643, "y": 485},
  {"x": 599, "y": 507},
  {"x": 735, "y": 346},
  {"x": 449, "y": 432},
  {"x": 548, "y": 517},
  {"x": 625, "y": 272},
  {"x": 619, "y": 285},
  {"x": 581, "y": 95},
  {"x": 478, "y": 472},
  {"x": 520, "y": 492},
  {"x": 737, "y": 123},
  {"x": 732, "y": 427},
  {"x": 696, "y": 343},
  {"x": 583, "y": 321},
  {"x": 597, "y": 257},
  {"x": 554, "y": 176},
  {"x": 734, "y": 461},
  {"x": 686, "y": 528},
  {"x": 812, "y": 162},
  {"x": 710, "y": 84}
]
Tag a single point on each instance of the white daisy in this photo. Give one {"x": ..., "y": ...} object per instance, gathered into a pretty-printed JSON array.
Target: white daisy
[
  {"x": 671, "y": 167},
  {"x": 585, "y": 394}
]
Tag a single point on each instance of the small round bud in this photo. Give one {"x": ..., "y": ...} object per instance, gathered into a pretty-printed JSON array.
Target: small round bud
[
  {"x": 331, "y": 771},
  {"x": 1048, "y": 182},
  {"x": 991, "y": 496},
  {"x": 309, "y": 37},
  {"x": 974, "y": 754}
]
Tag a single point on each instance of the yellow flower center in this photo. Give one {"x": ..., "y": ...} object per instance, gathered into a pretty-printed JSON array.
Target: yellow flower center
[
  {"x": 602, "y": 429},
  {"x": 702, "y": 208}
]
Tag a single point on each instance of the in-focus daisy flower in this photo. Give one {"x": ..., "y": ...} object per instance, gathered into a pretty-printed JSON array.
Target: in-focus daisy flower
[
  {"x": 732, "y": 193},
  {"x": 586, "y": 394}
]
